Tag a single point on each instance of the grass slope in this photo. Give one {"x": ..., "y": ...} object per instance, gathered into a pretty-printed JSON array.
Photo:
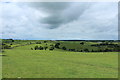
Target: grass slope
[
  {"x": 26, "y": 63},
  {"x": 87, "y": 45}
]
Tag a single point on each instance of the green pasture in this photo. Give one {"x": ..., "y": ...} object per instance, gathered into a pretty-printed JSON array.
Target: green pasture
[{"x": 22, "y": 62}]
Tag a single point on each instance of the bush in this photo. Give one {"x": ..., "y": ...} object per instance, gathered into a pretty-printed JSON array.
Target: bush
[
  {"x": 71, "y": 49},
  {"x": 86, "y": 50},
  {"x": 3, "y": 44},
  {"x": 6, "y": 47},
  {"x": 64, "y": 48},
  {"x": 38, "y": 42},
  {"x": 40, "y": 48},
  {"x": 7, "y": 40},
  {"x": 52, "y": 48},
  {"x": 92, "y": 50},
  {"x": 51, "y": 45},
  {"x": 45, "y": 41}
]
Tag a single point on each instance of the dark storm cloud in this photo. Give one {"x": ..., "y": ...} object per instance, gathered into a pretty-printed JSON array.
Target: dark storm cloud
[
  {"x": 60, "y": 12},
  {"x": 50, "y": 7}
]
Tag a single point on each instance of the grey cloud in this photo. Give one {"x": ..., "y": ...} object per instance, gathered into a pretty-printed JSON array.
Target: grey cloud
[
  {"x": 70, "y": 21},
  {"x": 60, "y": 13},
  {"x": 53, "y": 21},
  {"x": 50, "y": 7}
]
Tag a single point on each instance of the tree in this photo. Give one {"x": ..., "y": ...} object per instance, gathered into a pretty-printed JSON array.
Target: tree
[
  {"x": 51, "y": 45},
  {"x": 64, "y": 48},
  {"x": 3, "y": 44},
  {"x": 52, "y": 48},
  {"x": 86, "y": 50},
  {"x": 36, "y": 47},
  {"x": 11, "y": 40},
  {"x": 92, "y": 50},
  {"x": 45, "y": 48},
  {"x": 6, "y": 47},
  {"x": 7, "y": 40},
  {"x": 45, "y": 41},
  {"x": 57, "y": 45},
  {"x": 38, "y": 42},
  {"x": 82, "y": 43},
  {"x": 41, "y": 48},
  {"x": 100, "y": 50},
  {"x": 71, "y": 49}
]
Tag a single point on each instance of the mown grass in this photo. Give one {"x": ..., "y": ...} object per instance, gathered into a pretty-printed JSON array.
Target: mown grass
[{"x": 26, "y": 63}]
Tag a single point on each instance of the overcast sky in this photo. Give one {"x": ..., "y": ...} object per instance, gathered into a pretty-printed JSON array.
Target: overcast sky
[{"x": 59, "y": 20}]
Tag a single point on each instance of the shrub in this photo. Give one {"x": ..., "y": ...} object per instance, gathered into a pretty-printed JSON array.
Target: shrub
[
  {"x": 3, "y": 44},
  {"x": 51, "y": 45},
  {"x": 86, "y": 50},
  {"x": 38, "y": 42},
  {"x": 6, "y": 47},
  {"x": 45, "y": 41},
  {"x": 71, "y": 49},
  {"x": 40, "y": 48},
  {"x": 64, "y": 48},
  {"x": 92, "y": 50},
  {"x": 52, "y": 48}
]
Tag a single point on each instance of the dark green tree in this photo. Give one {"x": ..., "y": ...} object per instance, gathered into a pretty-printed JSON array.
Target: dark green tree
[
  {"x": 86, "y": 50},
  {"x": 41, "y": 48},
  {"x": 57, "y": 45},
  {"x": 45, "y": 48},
  {"x": 82, "y": 43},
  {"x": 64, "y": 48},
  {"x": 51, "y": 48},
  {"x": 36, "y": 47}
]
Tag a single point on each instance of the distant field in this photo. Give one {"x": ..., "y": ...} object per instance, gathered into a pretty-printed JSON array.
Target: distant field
[{"x": 26, "y": 63}]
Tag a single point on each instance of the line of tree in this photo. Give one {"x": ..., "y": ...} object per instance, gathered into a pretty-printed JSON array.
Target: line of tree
[
  {"x": 104, "y": 44},
  {"x": 108, "y": 47},
  {"x": 87, "y": 50},
  {"x": 40, "y": 42},
  {"x": 42, "y": 48}
]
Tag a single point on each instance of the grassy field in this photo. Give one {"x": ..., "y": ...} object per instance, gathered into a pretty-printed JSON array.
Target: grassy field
[{"x": 26, "y": 63}]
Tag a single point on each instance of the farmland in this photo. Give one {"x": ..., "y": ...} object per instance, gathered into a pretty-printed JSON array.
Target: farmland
[{"x": 25, "y": 61}]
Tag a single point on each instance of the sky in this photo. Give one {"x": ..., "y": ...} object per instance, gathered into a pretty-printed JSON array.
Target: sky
[{"x": 59, "y": 20}]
